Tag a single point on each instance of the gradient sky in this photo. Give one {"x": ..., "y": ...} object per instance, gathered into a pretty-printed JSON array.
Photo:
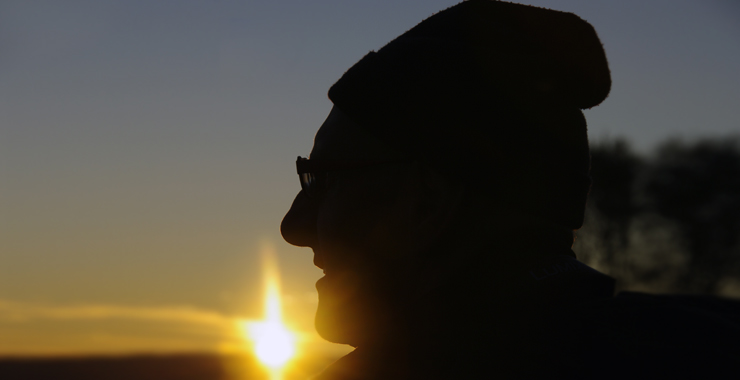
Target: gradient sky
[{"x": 147, "y": 147}]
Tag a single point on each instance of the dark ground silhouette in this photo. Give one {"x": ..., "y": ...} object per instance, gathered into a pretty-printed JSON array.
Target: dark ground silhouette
[
  {"x": 153, "y": 367},
  {"x": 185, "y": 367}
]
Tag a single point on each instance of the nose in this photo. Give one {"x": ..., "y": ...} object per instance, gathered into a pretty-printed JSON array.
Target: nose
[{"x": 299, "y": 224}]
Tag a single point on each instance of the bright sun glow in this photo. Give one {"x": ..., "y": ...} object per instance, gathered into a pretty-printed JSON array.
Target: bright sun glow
[{"x": 274, "y": 344}]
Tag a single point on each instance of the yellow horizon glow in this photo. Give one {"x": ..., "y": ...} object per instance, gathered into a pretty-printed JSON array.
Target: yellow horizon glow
[{"x": 274, "y": 343}]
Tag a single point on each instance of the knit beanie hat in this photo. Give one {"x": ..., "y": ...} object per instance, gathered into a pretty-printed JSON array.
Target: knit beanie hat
[{"x": 490, "y": 93}]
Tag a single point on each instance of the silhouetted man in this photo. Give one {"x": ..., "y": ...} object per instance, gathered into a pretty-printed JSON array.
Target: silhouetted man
[{"x": 441, "y": 196}]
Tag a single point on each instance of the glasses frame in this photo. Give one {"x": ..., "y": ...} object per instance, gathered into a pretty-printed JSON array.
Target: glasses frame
[{"x": 308, "y": 169}]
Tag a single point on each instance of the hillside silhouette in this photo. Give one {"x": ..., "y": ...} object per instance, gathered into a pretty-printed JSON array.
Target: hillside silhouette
[{"x": 154, "y": 367}]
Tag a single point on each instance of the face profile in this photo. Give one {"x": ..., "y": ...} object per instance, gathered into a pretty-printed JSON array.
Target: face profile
[{"x": 347, "y": 225}]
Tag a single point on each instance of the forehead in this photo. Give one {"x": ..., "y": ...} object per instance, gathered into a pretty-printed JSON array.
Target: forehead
[{"x": 340, "y": 138}]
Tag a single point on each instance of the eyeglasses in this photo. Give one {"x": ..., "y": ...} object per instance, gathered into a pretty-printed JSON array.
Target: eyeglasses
[{"x": 313, "y": 173}]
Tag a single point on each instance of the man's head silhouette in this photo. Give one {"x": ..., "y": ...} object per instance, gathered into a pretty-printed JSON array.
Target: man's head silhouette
[
  {"x": 474, "y": 112},
  {"x": 453, "y": 158}
]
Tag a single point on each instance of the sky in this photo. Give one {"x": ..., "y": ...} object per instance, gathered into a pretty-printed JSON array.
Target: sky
[{"x": 147, "y": 148}]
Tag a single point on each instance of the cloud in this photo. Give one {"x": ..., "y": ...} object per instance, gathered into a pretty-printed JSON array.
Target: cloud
[
  {"x": 165, "y": 329},
  {"x": 17, "y": 311}
]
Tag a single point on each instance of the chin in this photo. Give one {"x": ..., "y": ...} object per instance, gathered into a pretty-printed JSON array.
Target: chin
[
  {"x": 348, "y": 320},
  {"x": 333, "y": 328},
  {"x": 336, "y": 322}
]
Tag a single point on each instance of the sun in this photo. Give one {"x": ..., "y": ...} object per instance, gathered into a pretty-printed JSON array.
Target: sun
[{"x": 274, "y": 343}]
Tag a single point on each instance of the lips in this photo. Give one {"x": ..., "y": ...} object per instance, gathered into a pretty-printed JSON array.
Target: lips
[
  {"x": 319, "y": 263},
  {"x": 317, "y": 259},
  {"x": 321, "y": 283}
]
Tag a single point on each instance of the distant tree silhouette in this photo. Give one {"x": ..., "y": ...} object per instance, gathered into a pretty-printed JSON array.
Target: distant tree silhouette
[
  {"x": 669, "y": 221},
  {"x": 697, "y": 186},
  {"x": 614, "y": 170}
]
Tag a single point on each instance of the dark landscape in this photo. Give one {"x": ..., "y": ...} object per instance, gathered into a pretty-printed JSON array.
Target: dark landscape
[{"x": 153, "y": 367}]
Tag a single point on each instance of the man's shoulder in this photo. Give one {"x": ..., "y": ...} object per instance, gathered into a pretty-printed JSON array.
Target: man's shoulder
[
  {"x": 670, "y": 318},
  {"x": 679, "y": 335}
]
